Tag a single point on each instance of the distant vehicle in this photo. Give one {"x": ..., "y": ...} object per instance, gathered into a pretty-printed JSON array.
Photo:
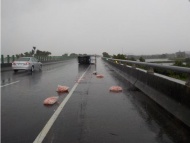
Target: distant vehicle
[
  {"x": 84, "y": 59},
  {"x": 26, "y": 63}
]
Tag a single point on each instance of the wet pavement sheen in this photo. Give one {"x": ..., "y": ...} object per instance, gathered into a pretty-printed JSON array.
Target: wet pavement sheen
[{"x": 93, "y": 114}]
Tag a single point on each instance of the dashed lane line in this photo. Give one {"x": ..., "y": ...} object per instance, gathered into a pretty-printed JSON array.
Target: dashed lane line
[
  {"x": 51, "y": 121},
  {"x": 10, "y": 83}
]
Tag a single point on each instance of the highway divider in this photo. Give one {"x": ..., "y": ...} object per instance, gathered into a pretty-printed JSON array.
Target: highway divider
[
  {"x": 171, "y": 94},
  {"x": 9, "y": 59},
  {"x": 8, "y": 66}
]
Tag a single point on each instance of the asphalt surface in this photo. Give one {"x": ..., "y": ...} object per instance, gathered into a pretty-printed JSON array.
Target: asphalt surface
[{"x": 92, "y": 114}]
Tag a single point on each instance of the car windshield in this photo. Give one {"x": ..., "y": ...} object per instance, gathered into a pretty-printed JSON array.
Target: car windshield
[{"x": 23, "y": 59}]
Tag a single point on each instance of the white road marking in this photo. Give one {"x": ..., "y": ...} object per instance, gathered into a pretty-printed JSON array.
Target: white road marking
[
  {"x": 49, "y": 124},
  {"x": 10, "y": 83}
]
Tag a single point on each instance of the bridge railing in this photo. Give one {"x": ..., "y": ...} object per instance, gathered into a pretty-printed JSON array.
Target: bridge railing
[
  {"x": 151, "y": 66},
  {"x": 9, "y": 59}
]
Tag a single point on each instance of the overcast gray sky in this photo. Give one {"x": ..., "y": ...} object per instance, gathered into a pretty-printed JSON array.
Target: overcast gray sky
[{"x": 137, "y": 27}]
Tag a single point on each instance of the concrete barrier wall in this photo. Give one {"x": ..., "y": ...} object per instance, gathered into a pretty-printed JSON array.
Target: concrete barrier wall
[
  {"x": 172, "y": 96},
  {"x": 8, "y": 66}
]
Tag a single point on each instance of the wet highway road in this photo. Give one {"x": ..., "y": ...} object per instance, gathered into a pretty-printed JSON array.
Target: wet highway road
[{"x": 92, "y": 114}]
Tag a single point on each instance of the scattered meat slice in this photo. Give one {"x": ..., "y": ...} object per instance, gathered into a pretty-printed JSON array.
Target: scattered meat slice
[
  {"x": 50, "y": 100},
  {"x": 61, "y": 88},
  {"x": 116, "y": 89},
  {"x": 99, "y": 76}
]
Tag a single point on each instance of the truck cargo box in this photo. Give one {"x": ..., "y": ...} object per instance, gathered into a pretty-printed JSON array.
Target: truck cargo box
[{"x": 84, "y": 59}]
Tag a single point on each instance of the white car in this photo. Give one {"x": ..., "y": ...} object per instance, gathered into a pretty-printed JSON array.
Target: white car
[{"x": 26, "y": 63}]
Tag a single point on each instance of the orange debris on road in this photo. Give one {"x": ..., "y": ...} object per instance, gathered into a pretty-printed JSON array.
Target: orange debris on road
[
  {"x": 99, "y": 76},
  {"x": 50, "y": 100},
  {"x": 61, "y": 88},
  {"x": 116, "y": 89}
]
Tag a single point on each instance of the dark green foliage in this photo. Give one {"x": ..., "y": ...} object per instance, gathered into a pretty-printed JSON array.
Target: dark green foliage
[
  {"x": 19, "y": 55},
  {"x": 105, "y": 54},
  {"x": 181, "y": 76},
  {"x": 187, "y": 60},
  {"x": 33, "y": 53},
  {"x": 65, "y": 55},
  {"x": 141, "y": 59},
  {"x": 131, "y": 59},
  {"x": 119, "y": 56},
  {"x": 179, "y": 63},
  {"x": 73, "y": 55},
  {"x": 42, "y": 53},
  {"x": 28, "y": 54}
]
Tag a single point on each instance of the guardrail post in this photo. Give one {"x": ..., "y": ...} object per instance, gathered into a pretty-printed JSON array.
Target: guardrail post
[
  {"x": 2, "y": 59},
  {"x": 133, "y": 66},
  {"x": 125, "y": 64},
  {"x": 150, "y": 71},
  {"x": 8, "y": 58}
]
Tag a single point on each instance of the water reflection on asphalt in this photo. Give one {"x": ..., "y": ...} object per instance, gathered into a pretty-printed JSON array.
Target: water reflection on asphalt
[{"x": 162, "y": 123}]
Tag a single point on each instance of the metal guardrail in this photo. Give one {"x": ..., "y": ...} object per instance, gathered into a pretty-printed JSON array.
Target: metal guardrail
[
  {"x": 9, "y": 59},
  {"x": 173, "y": 68},
  {"x": 151, "y": 67}
]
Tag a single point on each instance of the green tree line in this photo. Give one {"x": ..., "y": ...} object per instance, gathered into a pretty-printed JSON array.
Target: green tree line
[{"x": 34, "y": 52}]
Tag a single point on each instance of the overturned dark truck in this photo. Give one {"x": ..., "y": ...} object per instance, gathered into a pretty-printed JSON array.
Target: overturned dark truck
[{"x": 84, "y": 59}]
